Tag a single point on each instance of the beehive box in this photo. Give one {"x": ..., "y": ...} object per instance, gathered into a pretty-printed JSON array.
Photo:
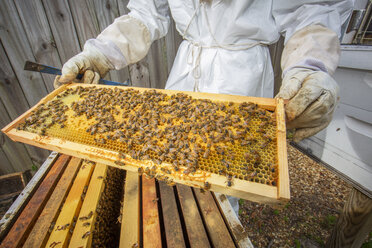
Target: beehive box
[{"x": 230, "y": 144}]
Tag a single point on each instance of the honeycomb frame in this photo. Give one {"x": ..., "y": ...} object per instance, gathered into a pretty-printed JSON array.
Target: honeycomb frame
[{"x": 240, "y": 188}]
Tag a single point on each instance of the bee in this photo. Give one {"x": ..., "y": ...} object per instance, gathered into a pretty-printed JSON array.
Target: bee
[
  {"x": 207, "y": 186},
  {"x": 140, "y": 170},
  {"x": 206, "y": 153},
  {"x": 117, "y": 162},
  {"x": 229, "y": 182},
  {"x": 187, "y": 171},
  {"x": 54, "y": 244},
  {"x": 226, "y": 163},
  {"x": 170, "y": 182},
  {"x": 85, "y": 235},
  {"x": 253, "y": 174},
  {"x": 87, "y": 217}
]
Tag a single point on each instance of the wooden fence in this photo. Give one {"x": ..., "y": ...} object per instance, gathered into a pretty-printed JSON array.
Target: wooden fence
[{"x": 50, "y": 32}]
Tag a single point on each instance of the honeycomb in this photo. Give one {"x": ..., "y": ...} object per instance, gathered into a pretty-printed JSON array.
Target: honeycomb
[{"x": 237, "y": 140}]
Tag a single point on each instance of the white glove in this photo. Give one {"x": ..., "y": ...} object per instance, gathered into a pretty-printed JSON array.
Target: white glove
[
  {"x": 92, "y": 63},
  {"x": 312, "y": 99}
]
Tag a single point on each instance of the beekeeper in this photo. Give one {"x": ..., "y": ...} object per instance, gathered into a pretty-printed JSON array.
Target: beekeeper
[{"x": 225, "y": 50}]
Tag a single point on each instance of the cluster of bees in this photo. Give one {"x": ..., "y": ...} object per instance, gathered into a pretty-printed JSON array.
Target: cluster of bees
[
  {"x": 235, "y": 140},
  {"x": 46, "y": 116},
  {"x": 106, "y": 231}
]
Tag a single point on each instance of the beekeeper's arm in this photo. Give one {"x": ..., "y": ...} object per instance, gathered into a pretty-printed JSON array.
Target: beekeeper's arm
[
  {"x": 310, "y": 56},
  {"x": 124, "y": 42}
]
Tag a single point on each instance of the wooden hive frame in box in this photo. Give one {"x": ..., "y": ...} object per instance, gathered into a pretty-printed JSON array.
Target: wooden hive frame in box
[{"x": 241, "y": 188}]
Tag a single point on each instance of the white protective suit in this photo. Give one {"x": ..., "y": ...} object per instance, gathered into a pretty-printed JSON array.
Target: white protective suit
[{"x": 225, "y": 49}]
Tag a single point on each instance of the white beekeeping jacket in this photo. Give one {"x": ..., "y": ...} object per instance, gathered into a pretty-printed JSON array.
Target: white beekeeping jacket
[{"x": 225, "y": 41}]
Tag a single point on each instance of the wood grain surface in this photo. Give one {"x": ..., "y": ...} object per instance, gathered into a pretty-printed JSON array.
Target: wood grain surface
[
  {"x": 129, "y": 233},
  {"x": 196, "y": 233},
  {"x": 172, "y": 223},
  {"x": 150, "y": 214},
  {"x": 215, "y": 225},
  {"x": 40, "y": 232},
  {"x": 22, "y": 227}
]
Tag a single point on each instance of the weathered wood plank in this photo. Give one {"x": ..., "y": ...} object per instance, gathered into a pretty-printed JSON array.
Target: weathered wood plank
[
  {"x": 195, "y": 229},
  {"x": 172, "y": 223},
  {"x": 22, "y": 227},
  {"x": 40, "y": 232},
  {"x": 139, "y": 74},
  {"x": 82, "y": 235},
  {"x": 86, "y": 23},
  {"x": 71, "y": 207},
  {"x": 11, "y": 93},
  {"x": 15, "y": 103},
  {"x": 129, "y": 233},
  {"x": 122, "y": 6},
  {"x": 106, "y": 12},
  {"x": 216, "y": 227},
  {"x": 172, "y": 40},
  {"x": 15, "y": 152},
  {"x": 354, "y": 223},
  {"x": 158, "y": 67},
  {"x": 5, "y": 165},
  {"x": 62, "y": 25},
  {"x": 18, "y": 50},
  {"x": 150, "y": 214},
  {"x": 40, "y": 36},
  {"x": 236, "y": 229},
  {"x": 18, "y": 205}
]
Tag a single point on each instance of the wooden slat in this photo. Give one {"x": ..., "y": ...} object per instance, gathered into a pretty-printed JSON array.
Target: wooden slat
[
  {"x": 86, "y": 23},
  {"x": 66, "y": 40},
  {"x": 172, "y": 222},
  {"x": 10, "y": 88},
  {"x": 18, "y": 157},
  {"x": 39, "y": 36},
  {"x": 18, "y": 205},
  {"x": 196, "y": 233},
  {"x": 5, "y": 165},
  {"x": 158, "y": 68},
  {"x": 215, "y": 225},
  {"x": 40, "y": 232},
  {"x": 283, "y": 174},
  {"x": 82, "y": 235},
  {"x": 233, "y": 223},
  {"x": 15, "y": 103},
  {"x": 71, "y": 207},
  {"x": 129, "y": 233},
  {"x": 21, "y": 228},
  {"x": 18, "y": 50},
  {"x": 150, "y": 214},
  {"x": 173, "y": 40},
  {"x": 106, "y": 12}
]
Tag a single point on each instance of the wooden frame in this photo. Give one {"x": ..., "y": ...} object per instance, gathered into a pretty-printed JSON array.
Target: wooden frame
[{"x": 276, "y": 195}]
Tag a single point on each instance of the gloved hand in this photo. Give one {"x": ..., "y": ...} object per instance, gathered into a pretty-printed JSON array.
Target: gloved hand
[
  {"x": 91, "y": 62},
  {"x": 312, "y": 99}
]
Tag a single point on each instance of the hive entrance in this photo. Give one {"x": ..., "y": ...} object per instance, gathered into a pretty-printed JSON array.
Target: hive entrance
[{"x": 236, "y": 140}]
